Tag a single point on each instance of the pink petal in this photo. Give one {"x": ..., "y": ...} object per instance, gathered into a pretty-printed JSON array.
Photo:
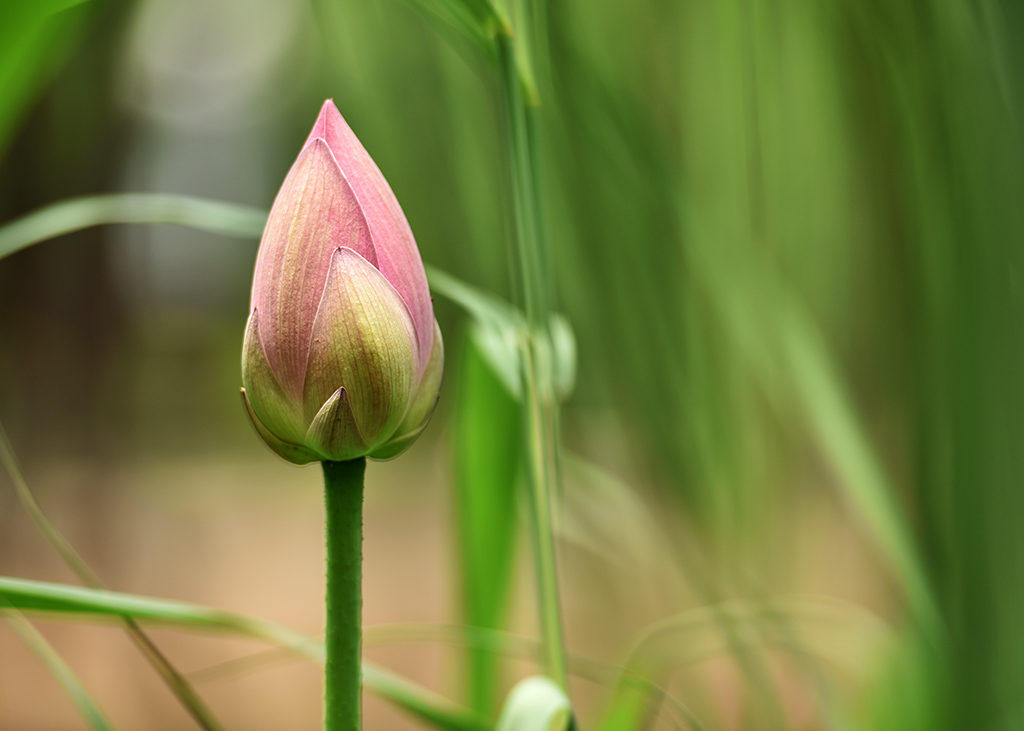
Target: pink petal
[
  {"x": 314, "y": 213},
  {"x": 398, "y": 259}
]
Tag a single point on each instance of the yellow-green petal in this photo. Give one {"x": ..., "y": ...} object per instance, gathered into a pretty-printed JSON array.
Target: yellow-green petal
[
  {"x": 294, "y": 453},
  {"x": 277, "y": 410},
  {"x": 422, "y": 405},
  {"x": 363, "y": 341}
]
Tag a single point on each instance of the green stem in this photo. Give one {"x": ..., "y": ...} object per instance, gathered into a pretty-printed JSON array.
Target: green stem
[
  {"x": 524, "y": 192},
  {"x": 343, "y": 490},
  {"x": 540, "y": 459},
  {"x": 539, "y": 409}
]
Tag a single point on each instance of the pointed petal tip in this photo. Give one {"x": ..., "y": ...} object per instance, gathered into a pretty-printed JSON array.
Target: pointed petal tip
[
  {"x": 328, "y": 107},
  {"x": 326, "y": 121},
  {"x": 334, "y": 432},
  {"x": 317, "y": 145}
]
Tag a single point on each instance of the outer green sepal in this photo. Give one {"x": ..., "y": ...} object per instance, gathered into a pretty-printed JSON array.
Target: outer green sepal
[
  {"x": 422, "y": 406},
  {"x": 294, "y": 453}
]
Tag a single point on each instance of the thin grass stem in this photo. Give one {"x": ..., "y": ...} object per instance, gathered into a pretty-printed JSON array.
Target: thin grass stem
[
  {"x": 35, "y": 641},
  {"x": 539, "y": 411},
  {"x": 539, "y": 455},
  {"x": 175, "y": 681},
  {"x": 524, "y": 193}
]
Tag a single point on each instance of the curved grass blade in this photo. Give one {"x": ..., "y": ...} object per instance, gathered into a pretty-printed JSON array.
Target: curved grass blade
[
  {"x": 420, "y": 702},
  {"x": 517, "y": 646},
  {"x": 536, "y": 704},
  {"x": 51, "y": 598},
  {"x": 57, "y": 667},
  {"x": 180, "y": 687},
  {"x": 498, "y": 325},
  {"x": 843, "y": 440},
  {"x": 499, "y": 329},
  {"x": 75, "y": 214},
  {"x": 849, "y": 637},
  {"x": 42, "y": 596},
  {"x": 499, "y": 321}
]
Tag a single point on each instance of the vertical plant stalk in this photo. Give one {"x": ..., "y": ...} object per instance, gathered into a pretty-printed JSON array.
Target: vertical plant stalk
[
  {"x": 343, "y": 497},
  {"x": 532, "y": 258},
  {"x": 539, "y": 409},
  {"x": 540, "y": 448}
]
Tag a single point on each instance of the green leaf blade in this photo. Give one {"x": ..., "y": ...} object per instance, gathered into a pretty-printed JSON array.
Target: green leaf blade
[{"x": 487, "y": 456}]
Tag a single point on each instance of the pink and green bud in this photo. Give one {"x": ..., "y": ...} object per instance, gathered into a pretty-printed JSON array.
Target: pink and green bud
[{"x": 342, "y": 355}]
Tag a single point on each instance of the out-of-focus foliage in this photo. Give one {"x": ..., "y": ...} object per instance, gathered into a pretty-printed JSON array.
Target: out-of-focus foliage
[
  {"x": 34, "y": 38},
  {"x": 487, "y": 457},
  {"x": 787, "y": 235}
]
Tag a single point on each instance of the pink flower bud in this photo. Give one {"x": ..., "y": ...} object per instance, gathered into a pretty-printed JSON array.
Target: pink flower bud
[{"x": 342, "y": 355}]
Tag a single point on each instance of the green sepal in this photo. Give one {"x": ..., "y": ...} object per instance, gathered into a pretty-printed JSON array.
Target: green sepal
[
  {"x": 422, "y": 406},
  {"x": 294, "y": 453},
  {"x": 278, "y": 411},
  {"x": 334, "y": 432}
]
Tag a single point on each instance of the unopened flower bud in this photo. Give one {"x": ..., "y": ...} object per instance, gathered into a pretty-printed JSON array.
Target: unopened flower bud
[{"x": 342, "y": 355}]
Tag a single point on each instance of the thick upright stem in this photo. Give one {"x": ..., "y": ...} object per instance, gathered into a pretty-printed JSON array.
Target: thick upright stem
[{"x": 343, "y": 490}]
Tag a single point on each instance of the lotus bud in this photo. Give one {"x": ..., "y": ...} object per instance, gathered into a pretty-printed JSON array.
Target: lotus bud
[{"x": 342, "y": 355}]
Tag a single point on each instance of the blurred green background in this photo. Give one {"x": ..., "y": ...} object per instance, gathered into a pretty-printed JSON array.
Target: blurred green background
[{"x": 788, "y": 235}]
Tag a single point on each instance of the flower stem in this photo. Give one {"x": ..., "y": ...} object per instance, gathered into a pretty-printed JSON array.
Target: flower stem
[{"x": 343, "y": 491}]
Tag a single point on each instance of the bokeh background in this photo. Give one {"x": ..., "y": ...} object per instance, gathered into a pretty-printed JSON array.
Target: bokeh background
[{"x": 788, "y": 236}]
